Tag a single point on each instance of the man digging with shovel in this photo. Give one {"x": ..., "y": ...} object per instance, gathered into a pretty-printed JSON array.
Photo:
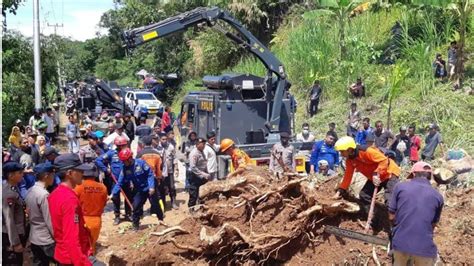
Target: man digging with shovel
[{"x": 380, "y": 171}]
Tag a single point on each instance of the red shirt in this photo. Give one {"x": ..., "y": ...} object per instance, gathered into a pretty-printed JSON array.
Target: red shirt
[
  {"x": 165, "y": 121},
  {"x": 415, "y": 147},
  {"x": 71, "y": 236}
]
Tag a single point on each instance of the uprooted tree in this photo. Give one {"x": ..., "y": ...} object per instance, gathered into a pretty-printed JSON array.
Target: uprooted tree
[{"x": 257, "y": 217}]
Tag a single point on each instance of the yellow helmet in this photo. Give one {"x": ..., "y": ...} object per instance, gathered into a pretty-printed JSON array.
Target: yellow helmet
[
  {"x": 345, "y": 143},
  {"x": 226, "y": 144}
]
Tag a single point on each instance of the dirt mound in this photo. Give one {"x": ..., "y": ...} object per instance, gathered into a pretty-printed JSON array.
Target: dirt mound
[{"x": 259, "y": 219}]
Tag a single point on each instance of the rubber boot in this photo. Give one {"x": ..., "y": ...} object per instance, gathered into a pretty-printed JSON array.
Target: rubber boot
[{"x": 117, "y": 220}]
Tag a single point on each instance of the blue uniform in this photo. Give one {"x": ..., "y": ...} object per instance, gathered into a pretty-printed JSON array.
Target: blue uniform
[
  {"x": 141, "y": 176},
  {"x": 361, "y": 137},
  {"x": 322, "y": 151},
  {"x": 110, "y": 158}
]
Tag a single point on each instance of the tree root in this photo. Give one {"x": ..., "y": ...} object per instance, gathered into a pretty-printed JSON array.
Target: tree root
[{"x": 177, "y": 229}]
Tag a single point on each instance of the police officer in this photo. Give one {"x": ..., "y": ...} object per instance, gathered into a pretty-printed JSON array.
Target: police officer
[
  {"x": 13, "y": 222},
  {"x": 91, "y": 150},
  {"x": 198, "y": 172},
  {"x": 167, "y": 185},
  {"x": 282, "y": 155},
  {"x": 138, "y": 174},
  {"x": 111, "y": 159},
  {"x": 41, "y": 232}
]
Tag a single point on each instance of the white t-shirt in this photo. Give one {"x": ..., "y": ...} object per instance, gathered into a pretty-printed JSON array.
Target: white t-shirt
[
  {"x": 109, "y": 141},
  {"x": 211, "y": 156},
  {"x": 309, "y": 138}
]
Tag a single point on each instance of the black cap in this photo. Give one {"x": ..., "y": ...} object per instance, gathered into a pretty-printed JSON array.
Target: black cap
[
  {"x": 9, "y": 167},
  {"x": 50, "y": 151},
  {"x": 93, "y": 172},
  {"x": 284, "y": 135},
  {"x": 211, "y": 134},
  {"x": 43, "y": 168},
  {"x": 146, "y": 140},
  {"x": 70, "y": 161}
]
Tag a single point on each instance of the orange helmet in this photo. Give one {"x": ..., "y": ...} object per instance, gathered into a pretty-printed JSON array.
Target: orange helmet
[
  {"x": 125, "y": 154},
  {"x": 226, "y": 144},
  {"x": 120, "y": 140}
]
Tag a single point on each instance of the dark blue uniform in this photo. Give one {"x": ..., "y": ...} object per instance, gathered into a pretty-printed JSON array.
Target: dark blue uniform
[
  {"x": 141, "y": 176},
  {"x": 110, "y": 158}
]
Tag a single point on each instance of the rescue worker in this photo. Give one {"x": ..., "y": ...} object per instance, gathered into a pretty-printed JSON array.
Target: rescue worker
[
  {"x": 69, "y": 231},
  {"x": 139, "y": 174},
  {"x": 415, "y": 209},
  {"x": 238, "y": 157},
  {"x": 380, "y": 171},
  {"x": 282, "y": 158},
  {"x": 152, "y": 157},
  {"x": 198, "y": 172},
  {"x": 93, "y": 197},
  {"x": 41, "y": 231},
  {"x": 110, "y": 164},
  {"x": 210, "y": 152},
  {"x": 91, "y": 150},
  {"x": 13, "y": 215},
  {"x": 167, "y": 186},
  {"x": 324, "y": 150}
]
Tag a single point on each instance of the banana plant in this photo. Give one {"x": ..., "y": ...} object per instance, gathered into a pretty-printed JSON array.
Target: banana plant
[
  {"x": 394, "y": 89},
  {"x": 340, "y": 10}
]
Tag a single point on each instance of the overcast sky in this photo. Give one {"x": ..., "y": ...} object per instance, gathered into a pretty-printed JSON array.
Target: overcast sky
[{"x": 79, "y": 17}]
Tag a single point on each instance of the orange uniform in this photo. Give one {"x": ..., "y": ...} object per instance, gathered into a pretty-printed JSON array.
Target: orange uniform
[
  {"x": 93, "y": 197},
  {"x": 368, "y": 162},
  {"x": 239, "y": 158}
]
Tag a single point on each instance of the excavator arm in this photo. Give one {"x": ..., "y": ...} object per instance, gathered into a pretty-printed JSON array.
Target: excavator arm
[{"x": 205, "y": 16}]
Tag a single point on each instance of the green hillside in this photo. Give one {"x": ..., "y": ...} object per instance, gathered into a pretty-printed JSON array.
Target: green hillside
[{"x": 308, "y": 46}]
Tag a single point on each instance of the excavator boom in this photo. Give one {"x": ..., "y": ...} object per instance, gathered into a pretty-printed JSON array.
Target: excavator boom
[{"x": 209, "y": 16}]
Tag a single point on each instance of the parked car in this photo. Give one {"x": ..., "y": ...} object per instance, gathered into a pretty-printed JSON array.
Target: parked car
[{"x": 132, "y": 98}]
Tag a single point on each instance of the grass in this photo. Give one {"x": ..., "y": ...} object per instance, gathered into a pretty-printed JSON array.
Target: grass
[{"x": 308, "y": 47}]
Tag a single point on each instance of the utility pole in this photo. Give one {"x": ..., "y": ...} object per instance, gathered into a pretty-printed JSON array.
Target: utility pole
[
  {"x": 37, "y": 55},
  {"x": 60, "y": 83}
]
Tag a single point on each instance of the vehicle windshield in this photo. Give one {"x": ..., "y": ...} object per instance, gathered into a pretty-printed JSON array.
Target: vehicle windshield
[{"x": 145, "y": 96}]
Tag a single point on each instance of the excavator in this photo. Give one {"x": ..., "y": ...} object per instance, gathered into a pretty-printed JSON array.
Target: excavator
[{"x": 249, "y": 109}]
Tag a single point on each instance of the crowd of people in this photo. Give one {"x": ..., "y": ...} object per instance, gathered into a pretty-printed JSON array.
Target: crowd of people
[{"x": 55, "y": 201}]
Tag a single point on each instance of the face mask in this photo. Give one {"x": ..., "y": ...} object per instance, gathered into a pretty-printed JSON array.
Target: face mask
[{"x": 305, "y": 131}]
